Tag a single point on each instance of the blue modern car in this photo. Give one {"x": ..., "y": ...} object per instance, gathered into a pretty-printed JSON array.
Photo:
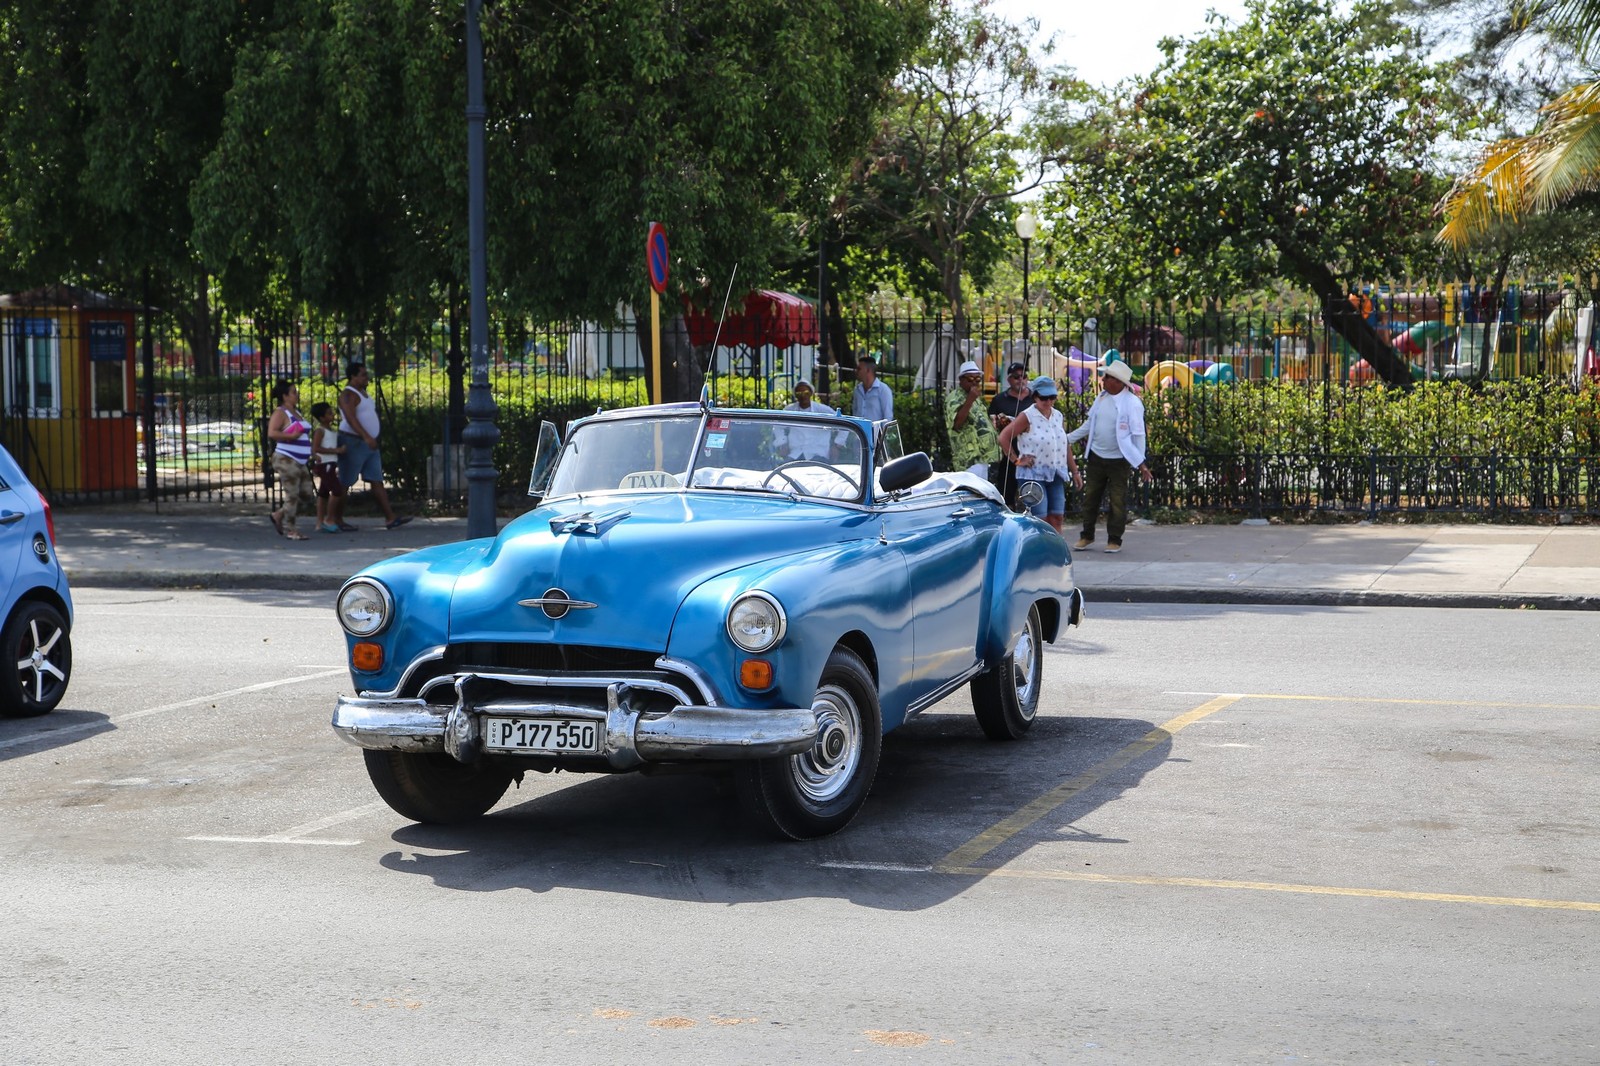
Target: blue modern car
[
  {"x": 771, "y": 591},
  {"x": 36, "y": 638}
]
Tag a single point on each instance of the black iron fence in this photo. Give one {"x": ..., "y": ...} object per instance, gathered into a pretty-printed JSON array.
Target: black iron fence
[
  {"x": 1260, "y": 484},
  {"x": 104, "y": 400}
]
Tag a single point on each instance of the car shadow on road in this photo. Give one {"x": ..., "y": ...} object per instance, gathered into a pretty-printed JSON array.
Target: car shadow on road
[
  {"x": 683, "y": 837},
  {"x": 30, "y": 736}
]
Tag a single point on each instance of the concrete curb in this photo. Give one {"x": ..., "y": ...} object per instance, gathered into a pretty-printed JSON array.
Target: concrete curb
[
  {"x": 330, "y": 583},
  {"x": 157, "y": 579}
]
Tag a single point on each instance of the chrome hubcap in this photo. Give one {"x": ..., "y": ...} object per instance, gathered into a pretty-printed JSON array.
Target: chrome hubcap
[
  {"x": 1025, "y": 672},
  {"x": 828, "y": 768}
]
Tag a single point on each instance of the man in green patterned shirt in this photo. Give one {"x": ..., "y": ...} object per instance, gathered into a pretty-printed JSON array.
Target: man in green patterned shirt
[{"x": 973, "y": 444}]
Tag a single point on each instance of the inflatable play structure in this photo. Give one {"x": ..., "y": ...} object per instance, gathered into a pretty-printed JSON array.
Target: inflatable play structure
[
  {"x": 1076, "y": 369},
  {"x": 1170, "y": 373}
]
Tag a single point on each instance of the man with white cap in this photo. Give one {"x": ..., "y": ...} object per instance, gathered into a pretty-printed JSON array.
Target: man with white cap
[
  {"x": 972, "y": 440},
  {"x": 806, "y": 443},
  {"x": 1113, "y": 437}
]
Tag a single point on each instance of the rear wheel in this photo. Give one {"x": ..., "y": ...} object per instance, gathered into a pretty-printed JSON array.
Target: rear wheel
[
  {"x": 819, "y": 791},
  {"x": 431, "y": 787},
  {"x": 1006, "y": 699},
  {"x": 38, "y": 660}
]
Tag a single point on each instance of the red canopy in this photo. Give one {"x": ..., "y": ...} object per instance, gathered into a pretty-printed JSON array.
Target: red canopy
[{"x": 780, "y": 319}]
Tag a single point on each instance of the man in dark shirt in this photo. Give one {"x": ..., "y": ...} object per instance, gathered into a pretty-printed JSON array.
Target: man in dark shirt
[{"x": 1002, "y": 409}]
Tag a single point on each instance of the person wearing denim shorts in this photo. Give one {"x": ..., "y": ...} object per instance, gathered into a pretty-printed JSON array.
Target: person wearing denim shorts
[
  {"x": 1036, "y": 443},
  {"x": 358, "y": 436}
]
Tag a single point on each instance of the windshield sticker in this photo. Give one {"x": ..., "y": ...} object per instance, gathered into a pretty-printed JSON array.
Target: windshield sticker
[{"x": 716, "y": 440}]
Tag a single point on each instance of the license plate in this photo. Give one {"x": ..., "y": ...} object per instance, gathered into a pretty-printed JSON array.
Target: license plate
[{"x": 566, "y": 736}]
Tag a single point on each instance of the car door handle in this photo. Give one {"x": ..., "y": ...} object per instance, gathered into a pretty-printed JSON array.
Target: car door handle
[
  {"x": 961, "y": 512},
  {"x": 8, "y": 518}
]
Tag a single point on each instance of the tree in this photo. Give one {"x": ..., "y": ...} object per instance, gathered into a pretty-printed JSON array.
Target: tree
[
  {"x": 1556, "y": 161},
  {"x": 933, "y": 193},
  {"x": 1293, "y": 144},
  {"x": 317, "y": 147}
]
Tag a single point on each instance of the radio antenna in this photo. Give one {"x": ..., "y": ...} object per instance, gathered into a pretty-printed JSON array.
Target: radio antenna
[{"x": 711, "y": 359}]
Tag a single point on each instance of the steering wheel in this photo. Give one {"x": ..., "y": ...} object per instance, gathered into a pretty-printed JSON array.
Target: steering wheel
[{"x": 780, "y": 471}]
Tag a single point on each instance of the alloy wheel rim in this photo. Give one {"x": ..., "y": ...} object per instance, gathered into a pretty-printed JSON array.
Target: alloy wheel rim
[
  {"x": 35, "y": 669},
  {"x": 824, "y": 772}
]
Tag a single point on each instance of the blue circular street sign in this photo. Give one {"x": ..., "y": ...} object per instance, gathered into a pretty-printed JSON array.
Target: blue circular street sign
[{"x": 655, "y": 254}]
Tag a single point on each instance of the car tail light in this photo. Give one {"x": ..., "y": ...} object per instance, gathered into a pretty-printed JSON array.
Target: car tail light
[{"x": 49, "y": 519}]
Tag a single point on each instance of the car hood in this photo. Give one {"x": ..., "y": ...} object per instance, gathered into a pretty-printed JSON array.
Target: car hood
[{"x": 633, "y": 558}]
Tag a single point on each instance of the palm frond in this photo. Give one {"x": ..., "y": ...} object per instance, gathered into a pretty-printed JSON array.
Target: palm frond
[
  {"x": 1495, "y": 188},
  {"x": 1582, "y": 17},
  {"x": 1519, "y": 175},
  {"x": 1569, "y": 160}
]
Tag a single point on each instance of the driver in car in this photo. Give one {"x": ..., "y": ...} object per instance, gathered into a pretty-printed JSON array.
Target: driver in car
[{"x": 805, "y": 442}]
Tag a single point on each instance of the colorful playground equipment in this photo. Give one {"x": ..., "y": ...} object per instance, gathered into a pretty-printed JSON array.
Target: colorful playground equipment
[
  {"x": 1077, "y": 369},
  {"x": 1170, "y": 373}
]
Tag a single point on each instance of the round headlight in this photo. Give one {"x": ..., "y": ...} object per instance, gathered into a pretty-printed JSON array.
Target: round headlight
[
  {"x": 756, "y": 622},
  {"x": 365, "y": 607}
]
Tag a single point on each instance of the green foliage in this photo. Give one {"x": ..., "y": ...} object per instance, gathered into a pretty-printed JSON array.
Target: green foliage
[
  {"x": 1291, "y": 144},
  {"x": 315, "y": 150},
  {"x": 927, "y": 208},
  {"x": 1525, "y": 417}
]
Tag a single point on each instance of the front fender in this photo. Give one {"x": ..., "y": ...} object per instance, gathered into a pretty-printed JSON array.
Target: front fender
[
  {"x": 856, "y": 587},
  {"x": 421, "y": 583}
]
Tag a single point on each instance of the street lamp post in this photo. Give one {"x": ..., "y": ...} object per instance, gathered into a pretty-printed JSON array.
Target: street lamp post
[
  {"x": 1027, "y": 226},
  {"x": 481, "y": 433}
]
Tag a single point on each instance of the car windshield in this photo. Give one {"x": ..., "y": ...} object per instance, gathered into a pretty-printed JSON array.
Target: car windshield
[{"x": 821, "y": 456}]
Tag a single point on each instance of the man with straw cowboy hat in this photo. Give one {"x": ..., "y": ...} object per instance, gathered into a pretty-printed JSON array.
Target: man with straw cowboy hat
[
  {"x": 972, "y": 439},
  {"x": 1114, "y": 441}
]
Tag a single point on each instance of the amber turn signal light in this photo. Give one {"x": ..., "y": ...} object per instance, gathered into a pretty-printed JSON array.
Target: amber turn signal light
[
  {"x": 755, "y": 673},
  {"x": 367, "y": 656}
]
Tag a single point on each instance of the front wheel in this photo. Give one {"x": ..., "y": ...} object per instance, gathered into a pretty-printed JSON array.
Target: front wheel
[
  {"x": 818, "y": 792},
  {"x": 1006, "y": 699},
  {"x": 38, "y": 649},
  {"x": 434, "y": 788}
]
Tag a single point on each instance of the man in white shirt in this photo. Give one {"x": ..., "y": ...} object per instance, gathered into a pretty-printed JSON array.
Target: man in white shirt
[
  {"x": 1114, "y": 436},
  {"x": 805, "y": 442}
]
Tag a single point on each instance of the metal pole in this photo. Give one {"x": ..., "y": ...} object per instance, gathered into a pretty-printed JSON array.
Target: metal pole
[{"x": 481, "y": 433}]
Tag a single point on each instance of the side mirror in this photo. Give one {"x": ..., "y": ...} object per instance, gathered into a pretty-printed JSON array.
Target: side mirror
[
  {"x": 905, "y": 472},
  {"x": 1030, "y": 494}
]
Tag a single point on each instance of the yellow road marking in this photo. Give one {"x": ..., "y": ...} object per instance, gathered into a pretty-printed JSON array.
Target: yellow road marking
[
  {"x": 1270, "y": 886},
  {"x": 1387, "y": 699},
  {"x": 985, "y": 842}
]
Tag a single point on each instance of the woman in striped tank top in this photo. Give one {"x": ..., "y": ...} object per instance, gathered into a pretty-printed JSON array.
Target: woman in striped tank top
[{"x": 290, "y": 434}]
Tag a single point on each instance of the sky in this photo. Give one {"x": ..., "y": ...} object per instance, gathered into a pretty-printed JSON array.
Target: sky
[{"x": 1107, "y": 40}]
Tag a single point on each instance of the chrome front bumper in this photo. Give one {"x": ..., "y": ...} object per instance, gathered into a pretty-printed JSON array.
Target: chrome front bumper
[{"x": 630, "y": 739}]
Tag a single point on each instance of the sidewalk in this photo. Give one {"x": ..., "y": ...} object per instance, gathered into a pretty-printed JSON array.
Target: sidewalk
[{"x": 1549, "y": 567}]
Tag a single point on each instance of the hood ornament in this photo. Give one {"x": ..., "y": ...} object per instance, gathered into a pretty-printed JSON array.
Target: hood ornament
[
  {"x": 555, "y": 603},
  {"x": 587, "y": 522}
]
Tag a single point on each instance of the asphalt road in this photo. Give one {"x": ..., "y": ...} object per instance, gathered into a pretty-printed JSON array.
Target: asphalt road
[{"x": 1236, "y": 835}]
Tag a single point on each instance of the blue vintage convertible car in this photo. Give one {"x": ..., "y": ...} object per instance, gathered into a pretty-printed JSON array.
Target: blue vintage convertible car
[{"x": 762, "y": 590}]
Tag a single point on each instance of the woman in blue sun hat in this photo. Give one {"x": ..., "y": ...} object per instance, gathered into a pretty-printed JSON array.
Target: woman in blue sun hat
[{"x": 1036, "y": 443}]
